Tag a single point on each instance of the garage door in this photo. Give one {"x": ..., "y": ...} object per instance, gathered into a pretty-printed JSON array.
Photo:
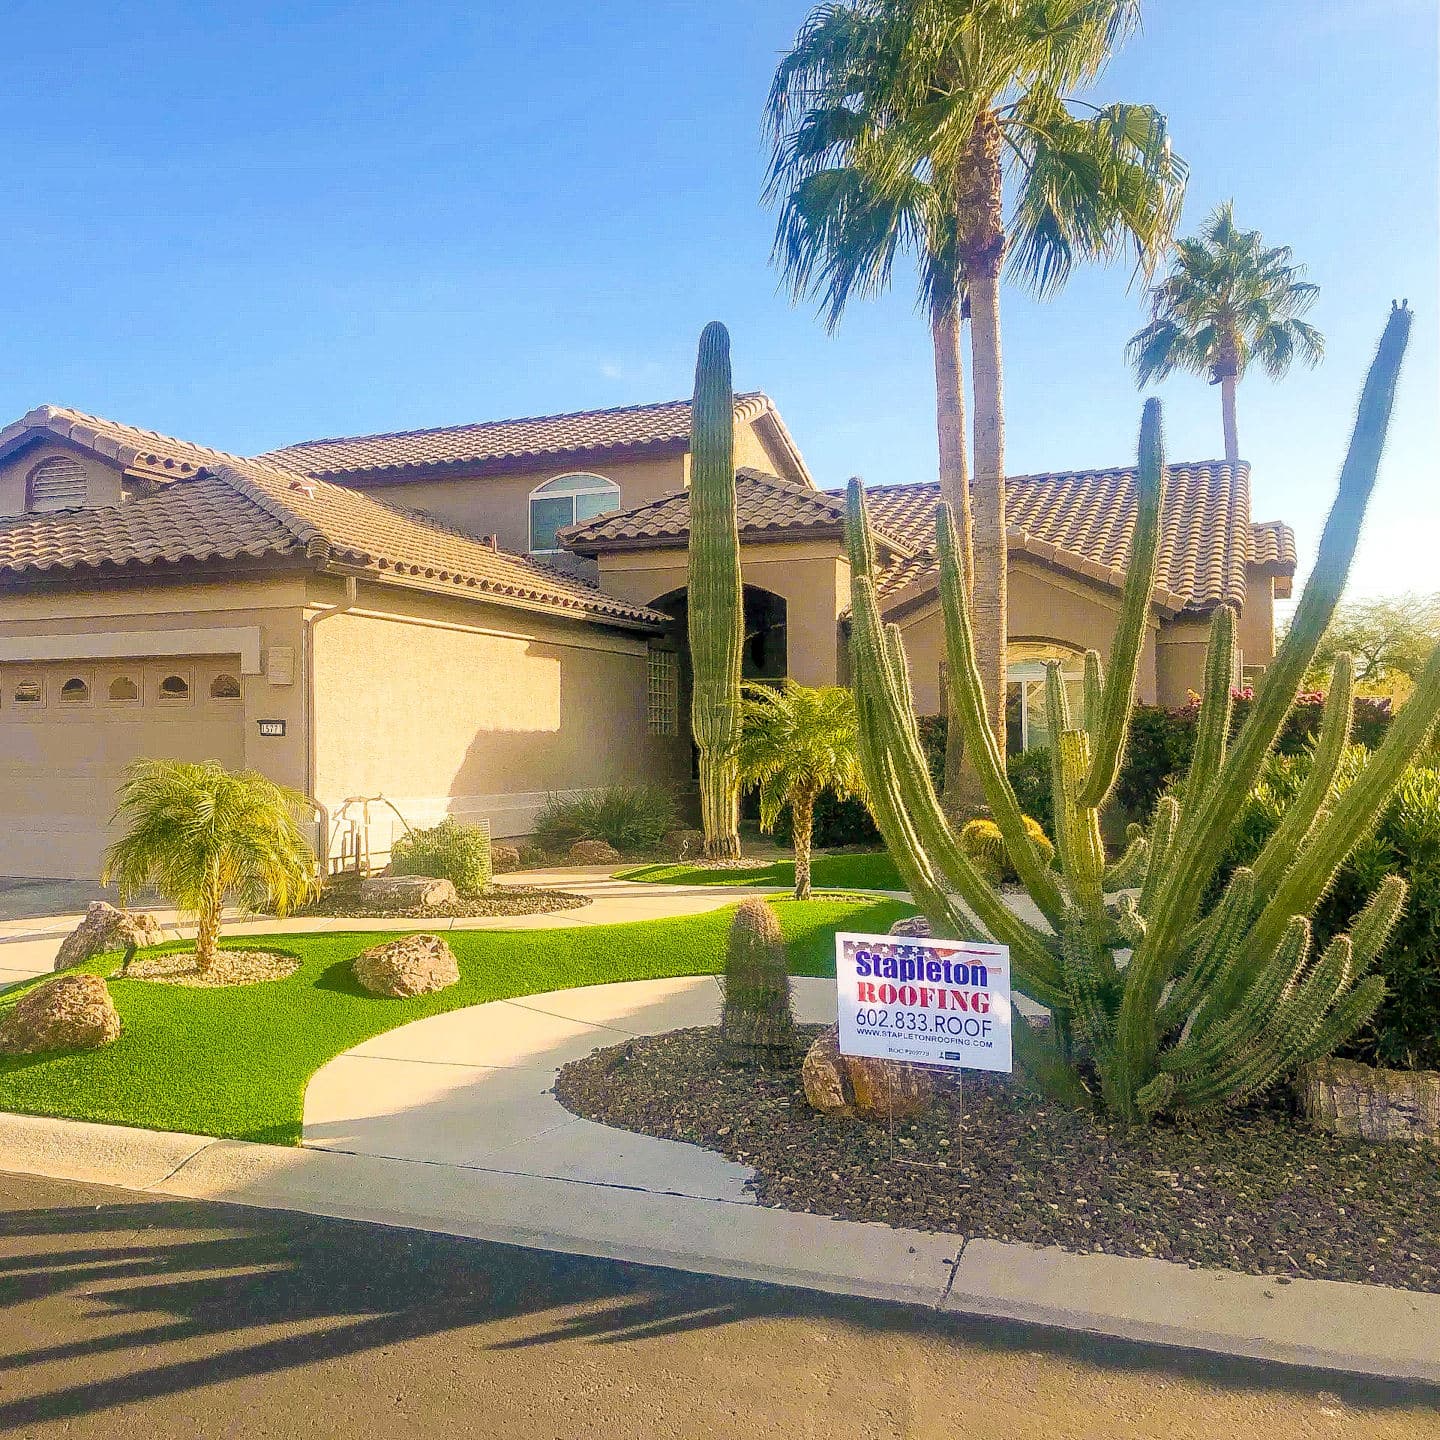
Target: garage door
[{"x": 67, "y": 732}]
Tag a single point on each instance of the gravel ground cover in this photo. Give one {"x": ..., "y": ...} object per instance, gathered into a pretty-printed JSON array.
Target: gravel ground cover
[
  {"x": 1250, "y": 1190},
  {"x": 341, "y": 900},
  {"x": 231, "y": 967}
]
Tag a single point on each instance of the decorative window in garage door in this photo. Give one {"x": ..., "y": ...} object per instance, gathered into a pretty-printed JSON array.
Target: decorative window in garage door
[
  {"x": 75, "y": 691},
  {"x": 123, "y": 690},
  {"x": 224, "y": 687},
  {"x": 28, "y": 692},
  {"x": 174, "y": 689}
]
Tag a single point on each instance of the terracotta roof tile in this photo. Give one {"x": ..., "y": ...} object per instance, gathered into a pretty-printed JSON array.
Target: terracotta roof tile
[
  {"x": 1086, "y": 521},
  {"x": 629, "y": 427}
]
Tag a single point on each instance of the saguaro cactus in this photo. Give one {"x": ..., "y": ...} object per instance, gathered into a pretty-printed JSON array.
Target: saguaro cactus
[
  {"x": 716, "y": 614},
  {"x": 1208, "y": 1007}
]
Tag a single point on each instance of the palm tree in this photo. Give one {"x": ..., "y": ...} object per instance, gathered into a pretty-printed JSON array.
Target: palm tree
[
  {"x": 898, "y": 125},
  {"x": 1228, "y": 299},
  {"x": 798, "y": 742},
  {"x": 202, "y": 835}
]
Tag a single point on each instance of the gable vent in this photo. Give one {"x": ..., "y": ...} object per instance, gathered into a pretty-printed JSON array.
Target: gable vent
[{"x": 58, "y": 484}]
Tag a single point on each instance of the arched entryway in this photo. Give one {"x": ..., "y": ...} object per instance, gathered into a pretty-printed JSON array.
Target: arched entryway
[
  {"x": 1027, "y": 725},
  {"x": 765, "y": 655}
]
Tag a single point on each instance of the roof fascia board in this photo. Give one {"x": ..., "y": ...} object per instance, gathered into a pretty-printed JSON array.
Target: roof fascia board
[
  {"x": 243, "y": 640},
  {"x": 365, "y": 478}
]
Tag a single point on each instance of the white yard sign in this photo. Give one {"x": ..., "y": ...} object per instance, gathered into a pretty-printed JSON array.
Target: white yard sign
[{"x": 927, "y": 1002}]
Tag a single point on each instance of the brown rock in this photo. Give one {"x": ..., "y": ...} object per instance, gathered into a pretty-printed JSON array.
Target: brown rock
[
  {"x": 106, "y": 928},
  {"x": 916, "y": 927},
  {"x": 73, "y": 1012},
  {"x": 411, "y": 965},
  {"x": 406, "y": 892},
  {"x": 593, "y": 852},
  {"x": 859, "y": 1087},
  {"x": 684, "y": 844},
  {"x": 1347, "y": 1098},
  {"x": 504, "y": 858}
]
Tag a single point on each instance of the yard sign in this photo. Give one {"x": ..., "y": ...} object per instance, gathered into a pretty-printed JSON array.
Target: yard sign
[{"x": 926, "y": 1002}]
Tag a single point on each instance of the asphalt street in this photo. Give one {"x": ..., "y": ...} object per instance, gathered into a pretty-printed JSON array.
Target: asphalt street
[{"x": 124, "y": 1315}]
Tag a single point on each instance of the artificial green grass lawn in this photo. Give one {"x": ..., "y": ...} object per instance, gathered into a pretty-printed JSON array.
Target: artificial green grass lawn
[
  {"x": 868, "y": 871},
  {"x": 235, "y": 1062}
]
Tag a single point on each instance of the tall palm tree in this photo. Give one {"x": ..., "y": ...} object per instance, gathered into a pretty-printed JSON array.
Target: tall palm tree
[
  {"x": 798, "y": 742},
  {"x": 899, "y": 125},
  {"x": 1227, "y": 301},
  {"x": 202, "y": 835}
]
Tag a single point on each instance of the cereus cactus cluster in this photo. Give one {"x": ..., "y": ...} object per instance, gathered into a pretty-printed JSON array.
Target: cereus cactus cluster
[
  {"x": 715, "y": 597},
  {"x": 1157, "y": 1003}
]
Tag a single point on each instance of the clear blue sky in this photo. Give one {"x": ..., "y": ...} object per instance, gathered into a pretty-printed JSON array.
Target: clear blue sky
[{"x": 252, "y": 224}]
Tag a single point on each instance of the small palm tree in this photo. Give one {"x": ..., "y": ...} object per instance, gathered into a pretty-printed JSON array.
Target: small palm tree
[
  {"x": 1228, "y": 299},
  {"x": 797, "y": 743},
  {"x": 202, "y": 835}
]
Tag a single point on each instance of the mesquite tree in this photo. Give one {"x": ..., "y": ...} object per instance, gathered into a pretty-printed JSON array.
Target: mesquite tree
[
  {"x": 715, "y": 600},
  {"x": 1211, "y": 1005}
]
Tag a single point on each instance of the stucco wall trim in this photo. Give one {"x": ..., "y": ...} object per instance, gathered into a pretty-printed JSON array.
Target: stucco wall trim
[{"x": 242, "y": 640}]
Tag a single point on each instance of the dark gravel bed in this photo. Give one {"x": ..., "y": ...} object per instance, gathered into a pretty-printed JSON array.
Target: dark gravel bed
[
  {"x": 343, "y": 902},
  {"x": 1250, "y": 1190}
]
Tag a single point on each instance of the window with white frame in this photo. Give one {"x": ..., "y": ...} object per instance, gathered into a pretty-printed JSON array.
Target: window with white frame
[
  {"x": 58, "y": 483},
  {"x": 1027, "y": 724},
  {"x": 566, "y": 500},
  {"x": 663, "y": 692}
]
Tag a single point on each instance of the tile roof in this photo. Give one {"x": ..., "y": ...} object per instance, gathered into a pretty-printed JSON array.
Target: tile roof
[
  {"x": 1085, "y": 520},
  {"x": 246, "y": 509},
  {"x": 630, "y": 427},
  {"x": 130, "y": 447},
  {"x": 765, "y": 506}
]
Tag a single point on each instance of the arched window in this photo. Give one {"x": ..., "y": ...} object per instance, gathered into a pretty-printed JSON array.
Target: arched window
[
  {"x": 1027, "y": 724},
  {"x": 75, "y": 692},
  {"x": 56, "y": 484},
  {"x": 123, "y": 690},
  {"x": 566, "y": 500},
  {"x": 175, "y": 688},
  {"x": 224, "y": 687},
  {"x": 29, "y": 692}
]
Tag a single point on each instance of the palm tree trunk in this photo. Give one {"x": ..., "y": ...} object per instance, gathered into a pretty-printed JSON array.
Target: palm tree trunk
[
  {"x": 1228, "y": 386},
  {"x": 207, "y": 935},
  {"x": 802, "y": 823},
  {"x": 960, "y": 790},
  {"x": 983, "y": 247}
]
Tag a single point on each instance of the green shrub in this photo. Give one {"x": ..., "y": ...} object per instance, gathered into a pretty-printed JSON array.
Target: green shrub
[
  {"x": 449, "y": 851},
  {"x": 632, "y": 818}
]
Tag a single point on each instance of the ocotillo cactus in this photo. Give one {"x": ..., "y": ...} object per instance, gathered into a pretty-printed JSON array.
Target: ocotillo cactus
[
  {"x": 716, "y": 615},
  {"x": 1209, "y": 1006},
  {"x": 758, "y": 1024}
]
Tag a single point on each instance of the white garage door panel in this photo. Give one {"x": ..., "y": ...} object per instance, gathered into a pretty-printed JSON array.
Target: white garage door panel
[{"x": 61, "y": 766}]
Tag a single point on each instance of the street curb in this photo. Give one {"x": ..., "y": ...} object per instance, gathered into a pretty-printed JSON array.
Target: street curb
[{"x": 1324, "y": 1324}]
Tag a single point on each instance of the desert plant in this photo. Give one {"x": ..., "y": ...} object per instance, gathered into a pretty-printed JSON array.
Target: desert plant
[
  {"x": 757, "y": 1023},
  {"x": 798, "y": 743},
  {"x": 632, "y": 818},
  {"x": 203, "y": 835},
  {"x": 715, "y": 597},
  {"x": 982, "y": 841},
  {"x": 1228, "y": 300},
  {"x": 450, "y": 851},
  {"x": 1214, "y": 1003}
]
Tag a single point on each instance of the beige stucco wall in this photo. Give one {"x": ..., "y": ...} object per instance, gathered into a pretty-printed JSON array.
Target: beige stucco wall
[
  {"x": 61, "y": 764},
  {"x": 500, "y": 504},
  {"x": 810, "y": 576},
  {"x": 1181, "y": 659},
  {"x": 1256, "y": 629},
  {"x": 1045, "y": 606},
  {"x": 103, "y": 480},
  {"x": 476, "y": 711}
]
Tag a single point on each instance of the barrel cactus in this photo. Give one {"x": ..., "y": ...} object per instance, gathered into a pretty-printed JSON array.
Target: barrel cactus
[
  {"x": 757, "y": 1024},
  {"x": 1158, "y": 1004},
  {"x": 716, "y": 614}
]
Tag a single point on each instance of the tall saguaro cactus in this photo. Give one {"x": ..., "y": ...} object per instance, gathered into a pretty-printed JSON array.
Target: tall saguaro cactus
[
  {"x": 716, "y": 612},
  {"x": 1210, "y": 1005}
]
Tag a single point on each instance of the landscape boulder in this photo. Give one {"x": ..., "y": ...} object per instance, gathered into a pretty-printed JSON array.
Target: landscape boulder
[
  {"x": 1347, "y": 1098},
  {"x": 71, "y": 1012},
  {"x": 406, "y": 892},
  {"x": 504, "y": 858},
  {"x": 861, "y": 1088},
  {"x": 593, "y": 852},
  {"x": 916, "y": 927},
  {"x": 684, "y": 844},
  {"x": 106, "y": 928},
  {"x": 411, "y": 965}
]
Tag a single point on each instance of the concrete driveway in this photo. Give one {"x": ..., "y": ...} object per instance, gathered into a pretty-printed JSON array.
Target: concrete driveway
[{"x": 23, "y": 899}]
